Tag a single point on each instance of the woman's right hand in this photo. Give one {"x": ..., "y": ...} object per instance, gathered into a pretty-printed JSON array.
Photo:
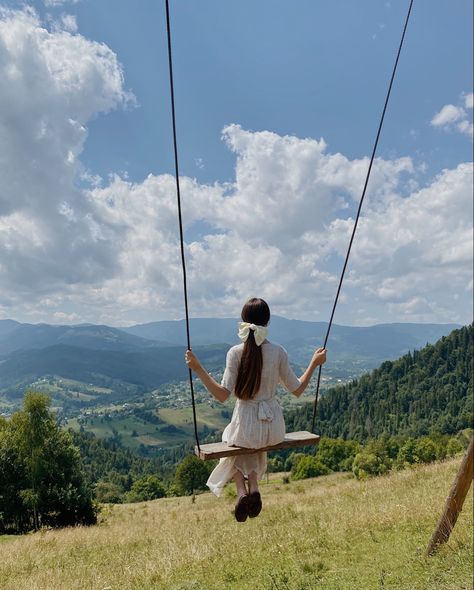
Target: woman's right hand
[
  {"x": 319, "y": 357},
  {"x": 192, "y": 360}
]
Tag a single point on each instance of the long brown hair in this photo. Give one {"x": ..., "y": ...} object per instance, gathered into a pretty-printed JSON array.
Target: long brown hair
[{"x": 255, "y": 311}]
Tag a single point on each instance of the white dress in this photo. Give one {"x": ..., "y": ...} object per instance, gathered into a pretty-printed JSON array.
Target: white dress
[{"x": 257, "y": 422}]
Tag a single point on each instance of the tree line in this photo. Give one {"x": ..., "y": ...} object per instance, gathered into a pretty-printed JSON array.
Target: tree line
[{"x": 430, "y": 390}]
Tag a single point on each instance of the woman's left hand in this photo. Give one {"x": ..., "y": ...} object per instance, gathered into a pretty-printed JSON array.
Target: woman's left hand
[{"x": 192, "y": 360}]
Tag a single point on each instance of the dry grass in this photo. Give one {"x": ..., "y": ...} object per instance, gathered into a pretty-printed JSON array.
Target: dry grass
[{"x": 327, "y": 533}]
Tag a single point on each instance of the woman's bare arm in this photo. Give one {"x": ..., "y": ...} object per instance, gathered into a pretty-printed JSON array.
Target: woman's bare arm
[
  {"x": 214, "y": 388},
  {"x": 319, "y": 357}
]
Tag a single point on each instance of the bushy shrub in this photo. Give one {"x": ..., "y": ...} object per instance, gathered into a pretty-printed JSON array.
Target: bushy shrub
[
  {"x": 407, "y": 454},
  {"x": 454, "y": 447},
  {"x": 308, "y": 466},
  {"x": 108, "y": 492},
  {"x": 367, "y": 464},
  {"x": 144, "y": 489},
  {"x": 173, "y": 491},
  {"x": 292, "y": 460},
  {"x": 337, "y": 454},
  {"x": 425, "y": 450},
  {"x": 191, "y": 475},
  {"x": 275, "y": 465}
]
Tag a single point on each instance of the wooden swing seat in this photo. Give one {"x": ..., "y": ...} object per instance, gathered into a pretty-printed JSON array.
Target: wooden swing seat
[{"x": 221, "y": 449}]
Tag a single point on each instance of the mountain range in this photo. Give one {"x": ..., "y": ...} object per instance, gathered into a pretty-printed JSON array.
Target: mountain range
[
  {"x": 383, "y": 341},
  {"x": 148, "y": 355}
]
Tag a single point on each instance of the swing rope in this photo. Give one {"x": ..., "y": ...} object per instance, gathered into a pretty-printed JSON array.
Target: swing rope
[
  {"x": 360, "y": 208},
  {"x": 181, "y": 234},
  {"x": 180, "y": 218}
]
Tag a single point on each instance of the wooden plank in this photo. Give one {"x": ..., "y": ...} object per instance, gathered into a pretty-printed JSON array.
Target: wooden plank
[
  {"x": 221, "y": 449},
  {"x": 455, "y": 500}
]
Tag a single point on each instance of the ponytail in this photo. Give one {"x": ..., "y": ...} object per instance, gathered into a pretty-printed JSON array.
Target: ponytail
[
  {"x": 255, "y": 311},
  {"x": 250, "y": 369}
]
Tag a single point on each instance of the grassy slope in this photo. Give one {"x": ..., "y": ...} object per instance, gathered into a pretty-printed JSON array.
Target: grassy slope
[{"x": 328, "y": 533}]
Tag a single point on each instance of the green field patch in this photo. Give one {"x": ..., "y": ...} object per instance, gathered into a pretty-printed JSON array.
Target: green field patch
[
  {"x": 69, "y": 389},
  {"x": 47, "y": 387},
  {"x": 148, "y": 440},
  {"x": 78, "y": 395},
  {"x": 6, "y": 538},
  {"x": 213, "y": 417},
  {"x": 132, "y": 430},
  {"x": 73, "y": 423},
  {"x": 176, "y": 424},
  {"x": 93, "y": 388}
]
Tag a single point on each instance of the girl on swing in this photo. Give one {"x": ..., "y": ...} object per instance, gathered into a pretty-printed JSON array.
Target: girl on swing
[{"x": 253, "y": 371}]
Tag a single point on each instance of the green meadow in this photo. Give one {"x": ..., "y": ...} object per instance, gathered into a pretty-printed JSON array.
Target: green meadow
[
  {"x": 176, "y": 427},
  {"x": 332, "y": 532}
]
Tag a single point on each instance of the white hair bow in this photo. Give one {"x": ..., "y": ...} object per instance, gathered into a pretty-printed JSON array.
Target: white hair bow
[{"x": 260, "y": 332}]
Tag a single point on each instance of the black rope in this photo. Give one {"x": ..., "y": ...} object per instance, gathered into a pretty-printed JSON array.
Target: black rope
[
  {"x": 180, "y": 218},
  {"x": 360, "y": 207}
]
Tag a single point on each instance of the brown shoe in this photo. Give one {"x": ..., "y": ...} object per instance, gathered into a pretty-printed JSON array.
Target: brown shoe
[
  {"x": 254, "y": 504},
  {"x": 241, "y": 509}
]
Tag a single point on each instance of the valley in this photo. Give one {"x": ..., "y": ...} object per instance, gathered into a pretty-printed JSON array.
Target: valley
[{"x": 130, "y": 385}]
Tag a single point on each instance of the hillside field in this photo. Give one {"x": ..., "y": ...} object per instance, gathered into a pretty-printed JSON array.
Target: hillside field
[
  {"x": 328, "y": 533},
  {"x": 176, "y": 421},
  {"x": 176, "y": 426}
]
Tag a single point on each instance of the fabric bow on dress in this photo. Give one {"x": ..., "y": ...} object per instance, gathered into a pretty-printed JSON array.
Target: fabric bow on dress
[
  {"x": 265, "y": 412},
  {"x": 260, "y": 332}
]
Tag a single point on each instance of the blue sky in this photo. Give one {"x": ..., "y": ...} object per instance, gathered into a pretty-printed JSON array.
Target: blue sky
[
  {"x": 310, "y": 69},
  {"x": 306, "y": 70}
]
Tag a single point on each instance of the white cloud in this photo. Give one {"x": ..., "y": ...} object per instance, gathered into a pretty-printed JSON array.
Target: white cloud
[
  {"x": 53, "y": 84},
  {"x": 279, "y": 227},
  {"x": 54, "y": 3},
  {"x": 277, "y": 177},
  {"x": 69, "y": 23},
  {"x": 65, "y": 318},
  {"x": 469, "y": 101},
  {"x": 111, "y": 253},
  {"x": 456, "y": 118},
  {"x": 420, "y": 247},
  {"x": 448, "y": 114}
]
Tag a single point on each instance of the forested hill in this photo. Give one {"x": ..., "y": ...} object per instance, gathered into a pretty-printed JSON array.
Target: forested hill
[{"x": 430, "y": 390}]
